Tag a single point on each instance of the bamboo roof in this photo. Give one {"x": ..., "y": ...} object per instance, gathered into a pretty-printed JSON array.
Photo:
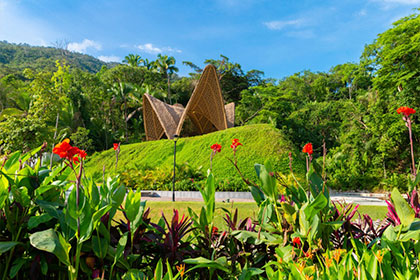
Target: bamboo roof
[
  {"x": 205, "y": 109},
  {"x": 160, "y": 118}
]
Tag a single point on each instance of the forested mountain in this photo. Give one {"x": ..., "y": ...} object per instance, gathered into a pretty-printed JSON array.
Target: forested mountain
[
  {"x": 348, "y": 112},
  {"x": 17, "y": 57}
]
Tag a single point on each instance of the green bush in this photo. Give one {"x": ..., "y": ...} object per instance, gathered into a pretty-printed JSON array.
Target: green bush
[{"x": 160, "y": 178}]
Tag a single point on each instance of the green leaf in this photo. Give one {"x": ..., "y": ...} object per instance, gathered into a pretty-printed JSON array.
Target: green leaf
[
  {"x": 371, "y": 264},
  {"x": 249, "y": 273},
  {"x": 316, "y": 184},
  {"x": 269, "y": 185},
  {"x": 16, "y": 266},
  {"x": 134, "y": 274},
  {"x": 132, "y": 205},
  {"x": 35, "y": 221},
  {"x": 12, "y": 161},
  {"x": 335, "y": 225},
  {"x": 403, "y": 209},
  {"x": 255, "y": 238},
  {"x": 44, "y": 188},
  {"x": 159, "y": 270},
  {"x": 7, "y": 245},
  {"x": 120, "y": 248},
  {"x": 21, "y": 196},
  {"x": 44, "y": 265},
  {"x": 209, "y": 193},
  {"x": 93, "y": 192},
  {"x": 51, "y": 175},
  {"x": 203, "y": 262},
  {"x": 72, "y": 203},
  {"x": 169, "y": 274},
  {"x": 316, "y": 206},
  {"x": 257, "y": 194},
  {"x": 89, "y": 222},
  {"x": 99, "y": 246},
  {"x": 4, "y": 192},
  {"x": 48, "y": 241}
]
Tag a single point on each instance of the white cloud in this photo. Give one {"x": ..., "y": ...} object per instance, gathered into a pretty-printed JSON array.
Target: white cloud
[
  {"x": 149, "y": 48},
  {"x": 111, "y": 58},
  {"x": 280, "y": 24},
  {"x": 83, "y": 46}
]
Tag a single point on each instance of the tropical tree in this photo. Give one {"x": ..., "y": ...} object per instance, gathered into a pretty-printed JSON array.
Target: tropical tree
[
  {"x": 122, "y": 91},
  {"x": 166, "y": 66},
  {"x": 133, "y": 60}
]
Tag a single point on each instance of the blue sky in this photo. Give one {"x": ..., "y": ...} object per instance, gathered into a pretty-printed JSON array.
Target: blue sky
[{"x": 277, "y": 37}]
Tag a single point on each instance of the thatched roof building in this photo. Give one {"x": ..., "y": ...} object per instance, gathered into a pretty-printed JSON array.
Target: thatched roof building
[{"x": 205, "y": 111}]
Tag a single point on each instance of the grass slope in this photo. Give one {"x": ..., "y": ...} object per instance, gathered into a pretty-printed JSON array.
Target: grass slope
[{"x": 260, "y": 142}]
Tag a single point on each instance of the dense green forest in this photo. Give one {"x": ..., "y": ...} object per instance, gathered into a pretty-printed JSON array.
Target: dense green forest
[
  {"x": 16, "y": 58},
  {"x": 47, "y": 94}
]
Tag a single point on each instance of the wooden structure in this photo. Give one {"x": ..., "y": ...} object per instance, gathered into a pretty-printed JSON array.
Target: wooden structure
[
  {"x": 205, "y": 111},
  {"x": 160, "y": 119}
]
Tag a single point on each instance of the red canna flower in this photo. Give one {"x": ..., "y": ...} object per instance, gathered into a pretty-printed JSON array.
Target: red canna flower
[
  {"x": 216, "y": 148},
  {"x": 407, "y": 111},
  {"x": 296, "y": 241},
  {"x": 116, "y": 146},
  {"x": 235, "y": 144},
  {"x": 61, "y": 148},
  {"x": 308, "y": 149},
  {"x": 67, "y": 151}
]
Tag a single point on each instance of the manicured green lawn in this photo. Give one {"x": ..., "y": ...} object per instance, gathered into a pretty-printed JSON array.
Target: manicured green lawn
[
  {"x": 245, "y": 209},
  {"x": 261, "y": 142},
  {"x": 375, "y": 212}
]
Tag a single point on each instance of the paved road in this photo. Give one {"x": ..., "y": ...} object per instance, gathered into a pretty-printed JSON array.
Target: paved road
[{"x": 347, "y": 197}]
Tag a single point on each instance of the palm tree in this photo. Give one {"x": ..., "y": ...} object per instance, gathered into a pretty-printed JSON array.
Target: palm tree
[
  {"x": 149, "y": 65},
  {"x": 166, "y": 66},
  {"x": 133, "y": 60},
  {"x": 122, "y": 91}
]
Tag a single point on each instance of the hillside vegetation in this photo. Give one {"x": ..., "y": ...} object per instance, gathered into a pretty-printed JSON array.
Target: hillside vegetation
[
  {"x": 260, "y": 142},
  {"x": 15, "y": 58}
]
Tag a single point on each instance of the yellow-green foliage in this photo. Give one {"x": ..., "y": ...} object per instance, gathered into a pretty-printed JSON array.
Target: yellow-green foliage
[{"x": 260, "y": 142}]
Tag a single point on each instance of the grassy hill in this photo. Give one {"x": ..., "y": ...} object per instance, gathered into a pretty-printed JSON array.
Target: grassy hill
[
  {"x": 17, "y": 57},
  {"x": 260, "y": 142}
]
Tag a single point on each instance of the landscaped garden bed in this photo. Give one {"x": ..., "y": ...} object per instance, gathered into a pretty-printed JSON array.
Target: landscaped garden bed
[{"x": 103, "y": 230}]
